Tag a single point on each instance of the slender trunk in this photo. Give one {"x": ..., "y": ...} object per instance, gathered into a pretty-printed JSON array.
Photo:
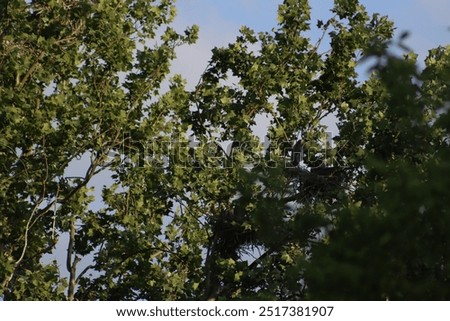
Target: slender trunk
[
  {"x": 71, "y": 264},
  {"x": 211, "y": 277}
]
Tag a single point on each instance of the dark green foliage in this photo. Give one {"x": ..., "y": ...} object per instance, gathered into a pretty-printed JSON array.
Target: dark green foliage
[{"x": 390, "y": 241}]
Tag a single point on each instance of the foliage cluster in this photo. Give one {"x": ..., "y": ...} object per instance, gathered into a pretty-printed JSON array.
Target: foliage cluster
[{"x": 362, "y": 217}]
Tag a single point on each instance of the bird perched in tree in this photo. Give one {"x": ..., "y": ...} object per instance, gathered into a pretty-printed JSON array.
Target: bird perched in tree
[{"x": 298, "y": 153}]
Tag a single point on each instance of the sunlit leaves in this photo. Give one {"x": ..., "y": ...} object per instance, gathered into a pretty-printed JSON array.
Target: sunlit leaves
[
  {"x": 63, "y": 64},
  {"x": 170, "y": 194}
]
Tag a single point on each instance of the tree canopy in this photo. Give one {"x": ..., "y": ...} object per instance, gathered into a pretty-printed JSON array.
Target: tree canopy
[{"x": 358, "y": 215}]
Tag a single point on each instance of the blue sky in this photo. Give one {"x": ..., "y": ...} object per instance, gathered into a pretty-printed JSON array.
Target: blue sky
[{"x": 428, "y": 22}]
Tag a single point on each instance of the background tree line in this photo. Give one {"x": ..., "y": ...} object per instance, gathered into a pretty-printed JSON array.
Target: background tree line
[{"x": 362, "y": 217}]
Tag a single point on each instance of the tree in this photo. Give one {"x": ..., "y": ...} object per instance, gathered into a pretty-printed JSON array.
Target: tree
[
  {"x": 185, "y": 218},
  {"x": 286, "y": 206},
  {"x": 390, "y": 237},
  {"x": 78, "y": 79},
  {"x": 381, "y": 189}
]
